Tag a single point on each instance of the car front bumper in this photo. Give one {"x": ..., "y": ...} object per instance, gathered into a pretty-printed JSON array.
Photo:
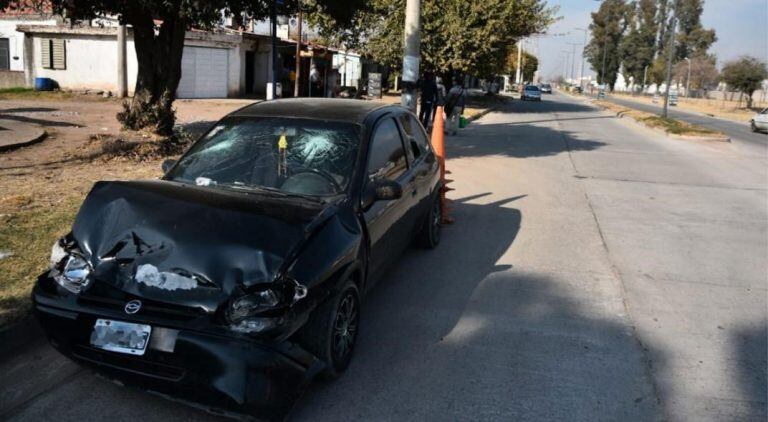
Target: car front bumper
[{"x": 220, "y": 373}]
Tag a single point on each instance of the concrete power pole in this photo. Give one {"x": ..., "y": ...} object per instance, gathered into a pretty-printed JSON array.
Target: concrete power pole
[
  {"x": 297, "y": 73},
  {"x": 412, "y": 53},
  {"x": 122, "y": 72},
  {"x": 573, "y": 60},
  {"x": 518, "y": 70},
  {"x": 670, "y": 55}
]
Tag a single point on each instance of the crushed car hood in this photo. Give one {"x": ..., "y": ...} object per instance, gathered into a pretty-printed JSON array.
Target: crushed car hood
[{"x": 190, "y": 245}]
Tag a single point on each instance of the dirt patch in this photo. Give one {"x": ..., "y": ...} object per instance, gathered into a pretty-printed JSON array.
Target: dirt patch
[{"x": 729, "y": 110}]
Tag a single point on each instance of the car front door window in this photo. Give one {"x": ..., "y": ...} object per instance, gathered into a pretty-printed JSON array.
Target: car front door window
[{"x": 386, "y": 157}]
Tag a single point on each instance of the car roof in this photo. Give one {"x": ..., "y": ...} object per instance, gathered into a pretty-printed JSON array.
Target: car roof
[{"x": 336, "y": 109}]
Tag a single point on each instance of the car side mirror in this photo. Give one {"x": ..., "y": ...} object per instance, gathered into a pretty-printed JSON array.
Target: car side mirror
[
  {"x": 167, "y": 165},
  {"x": 381, "y": 190}
]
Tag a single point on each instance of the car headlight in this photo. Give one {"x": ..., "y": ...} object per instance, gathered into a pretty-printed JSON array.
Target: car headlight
[
  {"x": 69, "y": 269},
  {"x": 250, "y": 313},
  {"x": 252, "y": 304}
]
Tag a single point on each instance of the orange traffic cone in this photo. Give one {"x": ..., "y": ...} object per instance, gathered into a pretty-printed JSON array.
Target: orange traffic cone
[{"x": 438, "y": 143}]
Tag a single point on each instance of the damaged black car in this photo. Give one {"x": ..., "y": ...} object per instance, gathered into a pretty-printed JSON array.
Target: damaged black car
[{"x": 237, "y": 278}]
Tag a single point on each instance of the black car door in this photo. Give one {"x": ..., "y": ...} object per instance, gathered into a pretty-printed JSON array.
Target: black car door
[
  {"x": 423, "y": 165},
  {"x": 385, "y": 219}
]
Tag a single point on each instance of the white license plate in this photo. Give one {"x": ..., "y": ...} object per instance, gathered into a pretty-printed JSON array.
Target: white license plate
[{"x": 121, "y": 337}]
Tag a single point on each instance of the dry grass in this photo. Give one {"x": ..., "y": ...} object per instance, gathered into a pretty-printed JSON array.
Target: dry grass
[
  {"x": 729, "y": 110},
  {"x": 671, "y": 126}
]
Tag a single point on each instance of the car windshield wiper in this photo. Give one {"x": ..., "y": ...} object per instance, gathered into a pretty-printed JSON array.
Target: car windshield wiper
[{"x": 269, "y": 191}]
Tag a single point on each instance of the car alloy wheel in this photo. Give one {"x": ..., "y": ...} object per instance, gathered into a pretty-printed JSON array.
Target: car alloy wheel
[{"x": 345, "y": 326}]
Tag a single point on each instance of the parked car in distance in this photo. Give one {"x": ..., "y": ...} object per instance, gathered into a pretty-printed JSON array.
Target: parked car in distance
[
  {"x": 531, "y": 92},
  {"x": 545, "y": 88},
  {"x": 759, "y": 122},
  {"x": 238, "y": 277}
]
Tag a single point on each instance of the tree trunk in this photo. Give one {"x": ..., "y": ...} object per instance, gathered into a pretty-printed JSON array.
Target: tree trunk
[{"x": 159, "y": 71}]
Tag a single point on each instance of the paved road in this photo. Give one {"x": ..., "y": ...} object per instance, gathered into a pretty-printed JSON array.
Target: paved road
[
  {"x": 596, "y": 272},
  {"x": 740, "y": 132}
]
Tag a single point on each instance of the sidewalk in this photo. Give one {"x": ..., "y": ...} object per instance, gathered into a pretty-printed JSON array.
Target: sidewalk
[{"x": 16, "y": 134}]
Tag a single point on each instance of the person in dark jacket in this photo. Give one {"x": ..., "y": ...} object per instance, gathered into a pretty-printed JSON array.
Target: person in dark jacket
[{"x": 428, "y": 98}]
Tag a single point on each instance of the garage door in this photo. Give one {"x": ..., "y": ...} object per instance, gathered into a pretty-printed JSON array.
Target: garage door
[{"x": 203, "y": 73}]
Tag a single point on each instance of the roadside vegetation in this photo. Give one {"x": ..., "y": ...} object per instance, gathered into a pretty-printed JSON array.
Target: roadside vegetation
[{"x": 668, "y": 125}]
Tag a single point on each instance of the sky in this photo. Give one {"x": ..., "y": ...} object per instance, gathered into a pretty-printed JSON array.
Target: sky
[{"x": 741, "y": 27}]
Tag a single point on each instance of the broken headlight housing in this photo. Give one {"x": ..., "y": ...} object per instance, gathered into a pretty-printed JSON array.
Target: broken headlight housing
[
  {"x": 69, "y": 268},
  {"x": 251, "y": 313}
]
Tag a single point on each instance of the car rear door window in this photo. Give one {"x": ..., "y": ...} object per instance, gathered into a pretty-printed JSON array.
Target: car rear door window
[
  {"x": 415, "y": 135},
  {"x": 386, "y": 155}
]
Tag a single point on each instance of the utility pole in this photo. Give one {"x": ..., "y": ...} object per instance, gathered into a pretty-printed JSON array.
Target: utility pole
[
  {"x": 670, "y": 55},
  {"x": 567, "y": 64},
  {"x": 122, "y": 72},
  {"x": 688, "y": 80},
  {"x": 581, "y": 72},
  {"x": 645, "y": 75},
  {"x": 273, "y": 19},
  {"x": 297, "y": 73},
  {"x": 412, "y": 52},
  {"x": 605, "y": 52},
  {"x": 518, "y": 72},
  {"x": 573, "y": 61}
]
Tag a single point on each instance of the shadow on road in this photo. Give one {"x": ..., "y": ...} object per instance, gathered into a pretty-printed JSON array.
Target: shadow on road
[
  {"x": 485, "y": 140},
  {"x": 458, "y": 333},
  {"x": 750, "y": 346}
]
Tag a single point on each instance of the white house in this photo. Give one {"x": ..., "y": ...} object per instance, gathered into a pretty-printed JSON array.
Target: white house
[
  {"x": 12, "y": 43},
  {"x": 214, "y": 65}
]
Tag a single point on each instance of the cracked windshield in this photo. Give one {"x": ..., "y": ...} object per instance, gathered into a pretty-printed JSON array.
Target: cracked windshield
[{"x": 288, "y": 155}]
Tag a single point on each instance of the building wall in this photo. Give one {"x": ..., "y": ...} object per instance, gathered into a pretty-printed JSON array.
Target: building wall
[
  {"x": 16, "y": 39},
  {"x": 12, "y": 79},
  {"x": 91, "y": 62}
]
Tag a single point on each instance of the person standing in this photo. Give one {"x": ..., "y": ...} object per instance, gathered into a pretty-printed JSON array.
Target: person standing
[
  {"x": 441, "y": 93},
  {"x": 428, "y": 99},
  {"x": 454, "y": 106}
]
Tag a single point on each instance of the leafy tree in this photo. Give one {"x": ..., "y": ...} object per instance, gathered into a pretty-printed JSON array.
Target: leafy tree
[
  {"x": 529, "y": 63},
  {"x": 745, "y": 75},
  {"x": 608, "y": 26},
  {"x": 704, "y": 74},
  {"x": 469, "y": 36},
  {"x": 692, "y": 40},
  {"x": 639, "y": 46},
  {"x": 159, "y": 28}
]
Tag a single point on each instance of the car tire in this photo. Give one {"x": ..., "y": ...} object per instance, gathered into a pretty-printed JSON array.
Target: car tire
[
  {"x": 332, "y": 329},
  {"x": 431, "y": 230},
  {"x": 754, "y": 126}
]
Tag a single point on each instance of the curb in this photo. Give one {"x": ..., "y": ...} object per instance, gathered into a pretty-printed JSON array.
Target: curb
[
  {"x": 18, "y": 335},
  {"x": 621, "y": 115},
  {"x": 38, "y": 138},
  {"x": 481, "y": 114}
]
